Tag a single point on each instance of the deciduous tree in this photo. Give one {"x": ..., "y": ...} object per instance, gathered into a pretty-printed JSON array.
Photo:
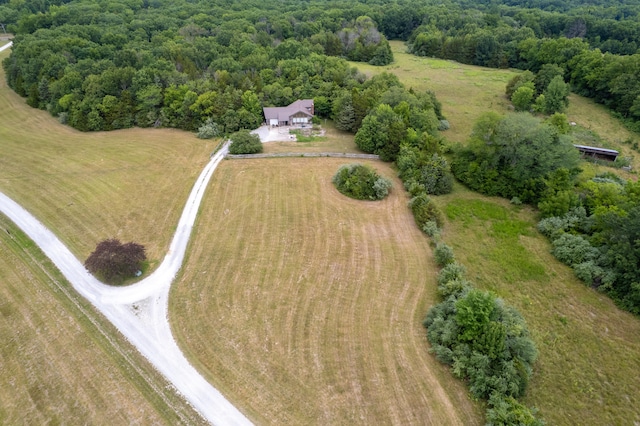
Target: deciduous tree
[{"x": 114, "y": 262}]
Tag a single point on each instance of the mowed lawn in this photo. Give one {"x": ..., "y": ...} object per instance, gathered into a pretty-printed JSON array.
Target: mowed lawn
[
  {"x": 304, "y": 306},
  {"x": 60, "y": 362}
]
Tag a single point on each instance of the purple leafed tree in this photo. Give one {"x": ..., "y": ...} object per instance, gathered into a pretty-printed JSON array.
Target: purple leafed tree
[{"x": 114, "y": 261}]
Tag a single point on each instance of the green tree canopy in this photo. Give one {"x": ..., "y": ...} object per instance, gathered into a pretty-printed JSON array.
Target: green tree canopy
[
  {"x": 244, "y": 142},
  {"x": 381, "y": 133},
  {"x": 513, "y": 155},
  {"x": 556, "y": 96}
]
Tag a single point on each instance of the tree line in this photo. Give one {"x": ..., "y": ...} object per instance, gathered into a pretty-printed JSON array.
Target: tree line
[
  {"x": 591, "y": 66},
  {"x": 103, "y": 65},
  {"x": 157, "y": 58}
]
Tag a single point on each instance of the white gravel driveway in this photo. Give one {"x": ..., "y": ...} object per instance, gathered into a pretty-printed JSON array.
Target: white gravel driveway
[
  {"x": 273, "y": 134},
  {"x": 139, "y": 311}
]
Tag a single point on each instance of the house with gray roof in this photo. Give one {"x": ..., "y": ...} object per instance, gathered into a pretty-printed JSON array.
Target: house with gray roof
[{"x": 298, "y": 113}]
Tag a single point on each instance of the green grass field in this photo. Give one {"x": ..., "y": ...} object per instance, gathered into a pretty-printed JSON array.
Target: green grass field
[
  {"x": 467, "y": 91},
  {"x": 586, "y": 369}
]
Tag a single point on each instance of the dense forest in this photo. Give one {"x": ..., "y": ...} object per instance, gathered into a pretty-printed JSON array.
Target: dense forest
[
  {"x": 112, "y": 64},
  {"x": 108, "y": 64}
]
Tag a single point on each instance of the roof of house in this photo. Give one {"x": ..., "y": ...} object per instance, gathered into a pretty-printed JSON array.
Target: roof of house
[{"x": 283, "y": 113}]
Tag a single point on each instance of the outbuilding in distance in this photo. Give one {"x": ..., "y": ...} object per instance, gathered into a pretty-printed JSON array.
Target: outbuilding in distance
[{"x": 598, "y": 153}]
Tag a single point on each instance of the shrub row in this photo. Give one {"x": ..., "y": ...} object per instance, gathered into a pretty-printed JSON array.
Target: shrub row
[
  {"x": 595, "y": 229},
  {"x": 485, "y": 341}
]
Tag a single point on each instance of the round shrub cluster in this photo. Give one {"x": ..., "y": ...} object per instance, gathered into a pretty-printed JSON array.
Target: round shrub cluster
[
  {"x": 424, "y": 210},
  {"x": 244, "y": 142},
  {"x": 361, "y": 182}
]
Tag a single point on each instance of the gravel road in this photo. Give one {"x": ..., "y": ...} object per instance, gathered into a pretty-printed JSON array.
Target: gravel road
[{"x": 139, "y": 311}]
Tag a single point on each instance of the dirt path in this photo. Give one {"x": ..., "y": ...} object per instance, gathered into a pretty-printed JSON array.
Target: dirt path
[{"x": 139, "y": 311}]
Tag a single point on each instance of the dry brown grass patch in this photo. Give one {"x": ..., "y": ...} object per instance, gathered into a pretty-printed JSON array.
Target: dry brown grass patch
[
  {"x": 60, "y": 362},
  {"x": 304, "y": 306}
]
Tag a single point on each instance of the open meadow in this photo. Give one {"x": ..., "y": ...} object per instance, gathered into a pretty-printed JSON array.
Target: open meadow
[
  {"x": 467, "y": 91},
  {"x": 586, "y": 372},
  {"x": 304, "y": 306}
]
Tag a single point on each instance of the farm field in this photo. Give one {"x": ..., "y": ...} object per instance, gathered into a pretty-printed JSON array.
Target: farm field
[
  {"x": 304, "y": 306},
  {"x": 60, "y": 361},
  {"x": 56, "y": 363}
]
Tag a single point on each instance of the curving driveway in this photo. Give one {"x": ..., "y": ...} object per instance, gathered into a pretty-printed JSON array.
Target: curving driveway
[{"x": 140, "y": 311}]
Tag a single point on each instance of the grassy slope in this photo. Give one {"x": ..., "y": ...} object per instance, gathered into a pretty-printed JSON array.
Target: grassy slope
[
  {"x": 465, "y": 91},
  {"x": 589, "y": 349},
  {"x": 129, "y": 184},
  {"x": 304, "y": 306},
  {"x": 587, "y": 368},
  {"x": 55, "y": 362},
  {"x": 55, "y": 172}
]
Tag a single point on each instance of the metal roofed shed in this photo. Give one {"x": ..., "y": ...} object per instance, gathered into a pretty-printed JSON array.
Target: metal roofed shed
[{"x": 598, "y": 153}]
